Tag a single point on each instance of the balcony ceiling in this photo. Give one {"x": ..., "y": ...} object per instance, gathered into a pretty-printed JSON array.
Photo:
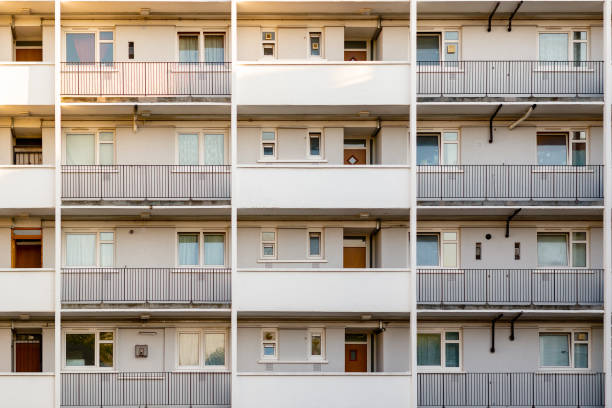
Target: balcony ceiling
[
  {"x": 36, "y": 7},
  {"x": 157, "y": 7},
  {"x": 145, "y": 212},
  {"x": 529, "y": 9},
  {"x": 476, "y": 213},
  {"x": 528, "y": 315},
  {"x": 318, "y": 7},
  {"x": 159, "y": 110}
]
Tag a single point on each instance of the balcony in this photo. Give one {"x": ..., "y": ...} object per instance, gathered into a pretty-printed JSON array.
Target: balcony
[
  {"x": 26, "y": 83},
  {"x": 146, "y": 286},
  {"x": 200, "y": 80},
  {"x": 468, "y": 80},
  {"x": 324, "y": 186},
  {"x": 145, "y": 183},
  {"x": 511, "y": 389},
  {"x": 321, "y": 290},
  {"x": 146, "y": 389},
  {"x": 579, "y": 288},
  {"x": 26, "y": 290},
  {"x": 324, "y": 83},
  {"x": 498, "y": 184},
  {"x": 27, "y": 390},
  {"x": 27, "y": 186},
  {"x": 338, "y": 390}
]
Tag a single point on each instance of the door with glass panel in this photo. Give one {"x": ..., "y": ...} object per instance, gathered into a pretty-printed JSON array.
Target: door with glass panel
[
  {"x": 26, "y": 245},
  {"x": 440, "y": 175},
  {"x": 354, "y": 252},
  {"x": 356, "y": 352},
  {"x": 202, "y": 64}
]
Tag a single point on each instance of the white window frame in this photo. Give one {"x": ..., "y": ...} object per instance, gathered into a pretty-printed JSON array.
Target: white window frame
[
  {"x": 569, "y": 142},
  {"x": 318, "y": 132},
  {"x": 570, "y": 41},
  {"x": 201, "y": 133},
  {"x": 202, "y": 332},
  {"x": 311, "y": 333},
  {"x": 571, "y": 333},
  {"x": 442, "y": 332},
  {"x": 263, "y": 341},
  {"x": 96, "y": 331},
  {"x": 97, "y": 142},
  {"x": 98, "y": 242},
  {"x": 97, "y": 42},
  {"x": 569, "y": 242},
  {"x": 201, "y": 234},
  {"x": 265, "y": 43},
  {"x": 314, "y": 32},
  {"x": 201, "y": 33},
  {"x": 440, "y": 132},
  {"x": 441, "y": 241},
  {"x": 441, "y": 32},
  {"x": 273, "y": 243},
  {"x": 309, "y": 232},
  {"x": 263, "y": 142}
]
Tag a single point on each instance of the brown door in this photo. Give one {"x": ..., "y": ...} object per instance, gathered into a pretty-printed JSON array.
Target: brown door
[
  {"x": 27, "y": 254},
  {"x": 355, "y": 358},
  {"x": 28, "y": 353},
  {"x": 28, "y": 54},
  {"x": 355, "y": 55},
  {"x": 354, "y": 156},
  {"x": 354, "y": 257}
]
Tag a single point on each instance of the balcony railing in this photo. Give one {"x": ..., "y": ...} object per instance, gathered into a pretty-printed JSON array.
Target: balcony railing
[
  {"x": 510, "y": 390},
  {"x": 512, "y": 78},
  {"x": 540, "y": 287},
  {"x": 510, "y": 182},
  {"x": 146, "y": 78},
  {"x": 148, "y": 389},
  {"x": 146, "y": 182},
  {"x": 146, "y": 285}
]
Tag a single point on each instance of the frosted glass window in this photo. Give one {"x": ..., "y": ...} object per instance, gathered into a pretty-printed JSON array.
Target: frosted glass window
[
  {"x": 80, "y": 249},
  {"x": 106, "y": 52},
  {"x": 80, "y": 47},
  {"x": 428, "y": 151},
  {"x": 107, "y": 255},
  {"x": 80, "y": 149},
  {"x": 188, "y": 48},
  {"x": 314, "y": 244},
  {"x": 449, "y": 251},
  {"x": 553, "y": 47},
  {"x": 581, "y": 355},
  {"x": 214, "y": 249},
  {"x": 188, "y": 149},
  {"x": 214, "y": 48},
  {"x": 188, "y": 249},
  {"x": 552, "y": 250},
  {"x": 552, "y": 149},
  {"x": 214, "y": 349},
  {"x": 107, "y": 154},
  {"x": 554, "y": 350},
  {"x": 428, "y": 349},
  {"x": 427, "y": 250},
  {"x": 213, "y": 149},
  {"x": 189, "y": 345}
]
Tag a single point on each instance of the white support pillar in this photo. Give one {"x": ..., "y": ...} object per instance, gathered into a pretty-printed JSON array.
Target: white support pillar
[
  {"x": 413, "y": 204},
  {"x": 58, "y": 207},
  {"x": 607, "y": 234},
  {"x": 234, "y": 210}
]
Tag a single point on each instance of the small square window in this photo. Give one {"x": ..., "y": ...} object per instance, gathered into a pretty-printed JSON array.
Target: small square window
[
  {"x": 268, "y": 250},
  {"x": 269, "y": 344},
  {"x": 268, "y": 150},
  {"x": 268, "y": 50}
]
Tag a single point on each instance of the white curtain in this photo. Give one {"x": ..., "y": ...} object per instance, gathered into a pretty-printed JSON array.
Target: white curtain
[
  {"x": 214, "y": 251},
  {"x": 80, "y": 149},
  {"x": 188, "y": 249},
  {"x": 80, "y": 249},
  {"x": 188, "y": 149},
  {"x": 107, "y": 252},
  {"x": 188, "y": 48},
  {"x": 553, "y": 47},
  {"x": 213, "y": 149},
  {"x": 189, "y": 344},
  {"x": 213, "y": 48}
]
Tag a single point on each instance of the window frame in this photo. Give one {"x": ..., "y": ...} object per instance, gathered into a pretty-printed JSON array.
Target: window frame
[
  {"x": 97, "y": 41},
  {"x": 569, "y": 144},
  {"x": 309, "y": 232},
  {"x": 572, "y": 343},
  {"x": 263, "y": 143},
  {"x": 202, "y": 332},
  {"x": 97, "y": 342},
  {"x": 273, "y": 243},
  {"x": 440, "y": 132},
  {"x": 569, "y": 247},
  {"x": 265, "y": 43},
  {"x": 97, "y": 143},
  {"x": 201, "y": 252},
  {"x": 441, "y": 241},
  {"x": 442, "y": 332},
  {"x": 314, "y": 32},
  {"x": 314, "y": 132},
  {"x": 201, "y": 133},
  {"x": 310, "y": 333},
  {"x": 98, "y": 242},
  {"x": 442, "y": 42},
  {"x": 263, "y": 341},
  {"x": 201, "y": 33},
  {"x": 570, "y": 42}
]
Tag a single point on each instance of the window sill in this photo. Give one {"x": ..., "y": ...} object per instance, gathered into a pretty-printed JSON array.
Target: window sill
[
  {"x": 292, "y": 362},
  {"x": 292, "y": 260}
]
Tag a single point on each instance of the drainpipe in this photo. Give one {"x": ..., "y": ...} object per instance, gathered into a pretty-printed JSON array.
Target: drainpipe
[
  {"x": 375, "y": 37},
  {"x": 512, "y": 15},
  {"x": 135, "y": 117},
  {"x": 499, "y": 316},
  {"x": 491, "y": 123},
  {"x": 522, "y": 118},
  {"x": 13, "y": 32},
  {"x": 514, "y": 319},
  {"x": 491, "y": 16},
  {"x": 372, "y": 137},
  {"x": 374, "y": 234},
  {"x": 510, "y": 219},
  {"x": 13, "y": 127}
]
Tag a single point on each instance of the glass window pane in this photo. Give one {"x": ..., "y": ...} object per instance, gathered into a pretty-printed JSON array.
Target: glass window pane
[
  {"x": 581, "y": 336},
  {"x": 188, "y": 149},
  {"x": 315, "y": 46},
  {"x": 315, "y": 244},
  {"x": 449, "y": 236},
  {"x": 107, "y": 154},
  {"x": 268, "y": 136},
  {"x": 552, "y": 250},
  {"x": 268, "y": 236},
  {"x": 269, "y": 349},
  {"x": 107, "y": 255},
  {"x": 579, "y": 154},
  {"x": 214, "y": 249},
  {"x": 214, "y": 50},
  {"x": 188, "y": 48},
  {"x": 579, "y": 255},
  {"x": 427, "y": 150},
  {"x": 213, "y": 149},
  {"x": 581, "y": 355},
  {"x": 106, "y": 335},
  {"x": 268, "y": 150},
  {"x": 189, "y": 344},
  {"x": 428, "y": 349},
  {"x": 80, "y": 249},
  {"x": 451, "y": 153},
  {"x": 107, "y": 236},
  {"x": 106, "y": 35},
  {"x": 580, "y": 51},
  {"x": 452, "y": 354},
  {"x": 579, "y": 236},
  {"x": 214, "y": 349},
  {"x": 428, "y": 49},
  {"x": 451, "y": 336},
  {"x": 106, "y": 136},
  {"x": 552, "y": 150},
  {"x": 553, "y": 47},
  {"x": 106, "y": 354},
  {"x": 315, "y": 145},
  {"x": 554, "y": 350},
  {"x": 451, "y": 35},
  {"x": 580, "y": 35},
  {"x": 315, "y": 345},
  {"x": 80, "y": 47},
  {"x": 268, "y": 250},
  {"x": 106, "y": 52},
  {"x": 450, "y": 136},
  {"x": 80, "y": 349},
  {"x": 80, "y": 149},
  {"x": 427, "y": 250},
  {"x": 188, "y": 249},
  {"x": 450, "y": 255}
]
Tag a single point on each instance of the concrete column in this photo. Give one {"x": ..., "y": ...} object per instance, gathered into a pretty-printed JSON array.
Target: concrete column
[
  {"x": 607, "y": 238},
  {"x": 58, "y": 209},
  {"x": 234, "y": 210}
]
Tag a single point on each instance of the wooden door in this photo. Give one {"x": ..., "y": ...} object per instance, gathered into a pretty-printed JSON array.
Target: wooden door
[
  {"x": 28, "y": 254},
  {"x": 28, "y": 354},
  {"x": 355, "y": 358},
  {"x": 28, "y": 54},
  {"x": 354, "y": 257},
  {"x": 355, "y": 55},
  {"x": 355, "y": 156}
]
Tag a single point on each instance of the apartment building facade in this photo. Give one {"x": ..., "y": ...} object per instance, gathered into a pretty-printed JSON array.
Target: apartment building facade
[{"x": 305, "y": 204}]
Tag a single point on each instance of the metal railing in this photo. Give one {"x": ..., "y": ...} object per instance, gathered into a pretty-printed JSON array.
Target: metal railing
[
  {"x": 146, "y": 285},
  {"x": 516, "y": 78},
  {"x": 146, "y": 78},
  {"x": 146, "y": 182},
  {"x": 146, "y": 389},
  {"x": 27, "y": 158},
  {"x": 511, "y": 390},
  {"x": 510, "y": 182},
  {"x": 510, "y": 287}
]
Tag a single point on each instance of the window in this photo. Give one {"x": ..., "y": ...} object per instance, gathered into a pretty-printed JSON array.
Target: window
[
  {"x": 428, "y": 148},
  {"x": 131, "y": 50},
  {"x": 268, "y": 144},
  {"x": 429, "y": 51},
  {"x": 314, "y": 244},
  {"x": 189, "y": 148},
  {"x": 92, "y": 349},
  {"x": 553, "y": 148},
  {"x": 553, "y": 249},
  {"x": 314, "y": 144},
  {"x": 315, "y": 44},
  {"x": 81, "y": 47},
  {"x": 439, "y": 349},
  {"x": 269, "y": 344},
  {"x": 429, "y": 248},
  {"x": 189, "y": 249},
  {"x": 90, "y": 249},
  {"x": 355, "y": 50},
  {"x": 193, "y": 344},
  {"x": 268, "y": 244},
  {"x": 189, "y": 47},
  {"x": 564, "y": 350},
  {"x": 268, "y": 43},
  {"x": 214, "y": 49},
  {"x": 563, "y": 46},
  {"x": 316, "y": 344},
  {"x": 90, "y": 148}
]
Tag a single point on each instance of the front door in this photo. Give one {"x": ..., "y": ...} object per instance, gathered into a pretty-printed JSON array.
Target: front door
[
  {"x": 355, "y": 152},
  {"x": 27, "y": 248},
  {"x": 28, "y": 54},
  {"x": 354, "y": 257},
  {"x": 356, "y": 358},
  {"x": 28, "y": 353}
]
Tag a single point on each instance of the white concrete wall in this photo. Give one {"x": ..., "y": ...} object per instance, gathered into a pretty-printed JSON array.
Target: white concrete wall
[
  {"x": 6, "y": 40},
  {"x": 23, "y": 290},
  {"x": 40, "y": 192},
  {"x": 394, "y": 43},
  {"x": 27, "y": 83},
  {"x": 27, "y": 390}
]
